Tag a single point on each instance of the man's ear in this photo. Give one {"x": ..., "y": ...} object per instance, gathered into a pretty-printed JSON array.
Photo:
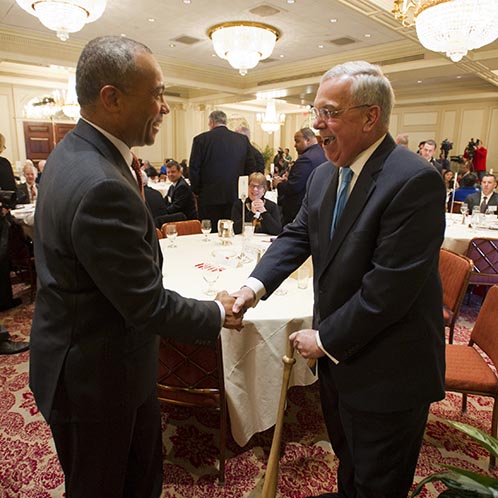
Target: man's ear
[
  {"x": 110, "y": 97},
  {"x": 372, "y": 117}
]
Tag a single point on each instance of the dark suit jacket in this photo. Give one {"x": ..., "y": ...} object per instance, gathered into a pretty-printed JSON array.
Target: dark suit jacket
[
  {"x": 377, "y": 290},
  {"x": 270, "y": 221},
  {"x": 23, "y": 194},
  {"x": 7, "y": 180},
  {"x": 291, "y": 192},
  {"x": 475, "y": 200},
  {"x": 100, "y": 302},
  {"x": 218, "y": 158},
  {"x": 259, "y": 160},
  {"x": 155, "y": 202},
  {"x": 182, "y": 200}
]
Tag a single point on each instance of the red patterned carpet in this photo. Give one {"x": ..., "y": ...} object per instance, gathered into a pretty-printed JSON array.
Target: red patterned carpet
[{"x": 29, "y": 467}]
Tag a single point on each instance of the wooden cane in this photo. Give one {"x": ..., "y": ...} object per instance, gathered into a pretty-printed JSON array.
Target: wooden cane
[{"x": 271, "y": 477}]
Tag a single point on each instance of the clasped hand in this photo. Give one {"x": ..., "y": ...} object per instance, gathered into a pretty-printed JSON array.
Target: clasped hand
[{"x": 232, "y": 320}]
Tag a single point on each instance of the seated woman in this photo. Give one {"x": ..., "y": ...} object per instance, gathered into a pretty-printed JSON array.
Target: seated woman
[{"x": 262, "y": 213}]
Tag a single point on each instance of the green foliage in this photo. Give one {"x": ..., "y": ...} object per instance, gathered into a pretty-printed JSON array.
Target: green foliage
[
  {"x": 267, "y": 154},
  {"x": 463, "y": 483}
]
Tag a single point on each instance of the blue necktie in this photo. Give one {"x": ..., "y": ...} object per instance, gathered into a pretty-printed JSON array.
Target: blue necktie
[{"x": 342, "y": 197}]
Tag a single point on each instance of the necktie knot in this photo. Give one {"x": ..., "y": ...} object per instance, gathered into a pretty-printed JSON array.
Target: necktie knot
[{"x": 342, "y": 196}]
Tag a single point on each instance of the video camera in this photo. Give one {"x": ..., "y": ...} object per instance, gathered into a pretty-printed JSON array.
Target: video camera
[
  {"x": 8, "y": 199},
  {"x": 471, "y": 147},
  {"x": 446, "y": 146}
]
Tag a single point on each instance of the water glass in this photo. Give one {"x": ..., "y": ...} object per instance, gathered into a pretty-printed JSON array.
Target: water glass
[
  {"x": 206, "y": 229},
  {"x": 210, "y": 274},
  {"x": 171, "y": 234}
]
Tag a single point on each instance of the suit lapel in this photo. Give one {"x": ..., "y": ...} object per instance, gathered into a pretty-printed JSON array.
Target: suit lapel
[
  {"x": 327, "y": 210},
  {"x": 363, "y": 189},
  {"x": 107, "y": 149}
]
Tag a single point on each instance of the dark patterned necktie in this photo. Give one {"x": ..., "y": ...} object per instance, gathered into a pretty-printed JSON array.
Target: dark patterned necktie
[
  {"x": 484, "y": 205},
  {"x": 135, "y": 165}
]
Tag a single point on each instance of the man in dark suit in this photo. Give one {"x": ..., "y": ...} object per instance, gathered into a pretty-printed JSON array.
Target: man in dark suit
[
  {"x": 486, "y": 196},
  {"x": 258, "y": 157},
  {"x": 378, "y": 329},
  {"x": 100, "y": 304},
  {"x": 180, "y": 198},
  {"x": 218, "y": 157},
  {"x": 427, "y": 152},
  {"x": 291, "y": 190}
]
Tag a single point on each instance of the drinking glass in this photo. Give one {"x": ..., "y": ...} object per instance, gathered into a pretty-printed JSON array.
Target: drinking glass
[
  {"x": 171, "y": 234},
  {"x": 464, "y": 209},
  {"x": 210, "y": 274},
  {"x": 206, "y": 229}
]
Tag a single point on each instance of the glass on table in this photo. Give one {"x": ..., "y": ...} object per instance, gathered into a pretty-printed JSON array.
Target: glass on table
[
  {"x": 210, "y": 274},
  {"x": 206, "y": 229},
  {"x": 464, "y": 209},
  {"x": 171, "y": 234}
]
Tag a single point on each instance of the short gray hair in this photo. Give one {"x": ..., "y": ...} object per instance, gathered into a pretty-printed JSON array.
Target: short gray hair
[
  {"x": 218, "y": 117},
  {"x": 107, "y": 60},
  {"x": 369, "y": 86}
]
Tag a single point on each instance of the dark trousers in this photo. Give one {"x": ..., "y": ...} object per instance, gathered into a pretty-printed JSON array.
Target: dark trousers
[
  {"x": 377, "y": 452},
  {"x": 118, "y": 458},
  {"x": 215, "y": 213}
]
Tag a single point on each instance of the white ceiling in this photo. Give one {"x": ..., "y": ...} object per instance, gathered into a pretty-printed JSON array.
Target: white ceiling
[{"x": 194, "y": 75}]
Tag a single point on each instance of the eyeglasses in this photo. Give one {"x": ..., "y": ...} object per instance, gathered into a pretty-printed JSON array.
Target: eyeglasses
[
  {"x": 327, "y": 113},
  {"x": 255, "y": 186}
]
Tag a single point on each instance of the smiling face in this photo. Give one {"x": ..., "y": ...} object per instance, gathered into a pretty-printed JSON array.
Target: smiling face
[
  {"x": 174, "y": 173},
  {"x": 142, "y": 103},
  {"x": 352, "y": 131}
]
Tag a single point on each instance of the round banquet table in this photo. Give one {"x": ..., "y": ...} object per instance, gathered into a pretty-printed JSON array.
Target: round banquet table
[
  {"x": 253, "y": 357},
  {"x": 458, "y": 235}
]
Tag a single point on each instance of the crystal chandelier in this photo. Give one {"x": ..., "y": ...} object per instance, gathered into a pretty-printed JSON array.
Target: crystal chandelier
[
  {"x": 270, "y": 121},
  {"x": 64, "y": 16},
  {"x": 243, "y": 44},
  {"x": 450, "y": 26}
]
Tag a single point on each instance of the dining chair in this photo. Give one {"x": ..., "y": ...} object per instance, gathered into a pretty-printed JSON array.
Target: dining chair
[
  {"x": 192, "y": 376},
  {"x": 454, "y": 270},
  {"x": 484, "y": 253},
  {"x": 467, "y": 371},
  {"x": 456, "y": 207},
  {"x": 188, "y": 227},
  {"x": 22, "y": 261},
  {"x": 159, "y": 234}
]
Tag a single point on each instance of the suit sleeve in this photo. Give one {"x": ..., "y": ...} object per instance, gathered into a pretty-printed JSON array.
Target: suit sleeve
[
  {"x": 298, "y": 177},
  {"x": 250, "y": 162},
  {"x": 195, "y": 166},
  {"x": 109, "y": 240},
  {"x": 271, "y": 222}
]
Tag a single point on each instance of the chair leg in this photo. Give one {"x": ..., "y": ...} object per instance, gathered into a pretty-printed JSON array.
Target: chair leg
[
  {"x": 464, "y": 403},
  {"x": 223, "y": 439}
]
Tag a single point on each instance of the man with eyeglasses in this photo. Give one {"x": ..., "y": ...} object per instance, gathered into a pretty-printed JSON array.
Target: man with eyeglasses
[
  {"x": 373, "y": 221},
  {"x": 291, "y": 190}
]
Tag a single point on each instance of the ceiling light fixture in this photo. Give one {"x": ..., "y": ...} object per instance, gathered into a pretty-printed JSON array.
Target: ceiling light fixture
[
  {"x": 64, "y": 16},
  {"x": 242, "y": 43},
  {"x": 270, "y": 121},
  {"x": 450, "y": 26}
]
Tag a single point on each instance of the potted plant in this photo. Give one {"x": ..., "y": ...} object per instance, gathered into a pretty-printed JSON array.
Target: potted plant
[{"x": 463, "y": 483}]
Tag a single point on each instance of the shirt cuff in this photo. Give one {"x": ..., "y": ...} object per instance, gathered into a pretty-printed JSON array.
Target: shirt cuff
[
  {"x": 257, "y": 287},
  {"x": 320, "y": 345},
  {"x": 222, "y": 313}
]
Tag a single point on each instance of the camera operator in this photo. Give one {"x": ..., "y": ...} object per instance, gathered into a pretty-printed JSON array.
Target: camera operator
[
  {"x": 446, "y": 146},
  {"x": 476, "y": 153},
  {"x": 7, "y": 183}
]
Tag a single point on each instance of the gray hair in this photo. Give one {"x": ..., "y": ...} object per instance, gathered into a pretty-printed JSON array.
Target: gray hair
[
  {"x": 218, "y": 117},
  {"x": 107, "y": 60},
  {"x": 369, "y": 86}
]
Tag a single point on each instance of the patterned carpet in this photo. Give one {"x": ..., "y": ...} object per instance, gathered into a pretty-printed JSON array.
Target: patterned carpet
[{"x": 29, "y": 467}]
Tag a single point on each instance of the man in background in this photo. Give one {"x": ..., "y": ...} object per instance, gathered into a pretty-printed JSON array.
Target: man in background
[
  {"x": 485, "y": 197},
  {"x": 40, "y": 166},
  {"x": 100, "y": 304},
  {"x": 28, "y": 192},
  {"x": 291, "y": 190},
  {"x": 373, "y": 222},
  {"x": 258, "y": 157},
  {"x": 218, "y": 157},
  {"x": 179, "y": 198},
  {"x": 402, "y": 139},
  {"x": 427, "y": 152}
]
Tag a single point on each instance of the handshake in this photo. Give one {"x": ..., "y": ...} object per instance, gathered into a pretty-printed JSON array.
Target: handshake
[{"x": 235, "y": 305}]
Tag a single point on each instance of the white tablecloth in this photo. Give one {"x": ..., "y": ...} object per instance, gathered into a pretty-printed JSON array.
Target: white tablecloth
[
  {"x": 161, "y": 187},
  {"x": 458, "y": 235},
  {"x": 253, "y": 357}
]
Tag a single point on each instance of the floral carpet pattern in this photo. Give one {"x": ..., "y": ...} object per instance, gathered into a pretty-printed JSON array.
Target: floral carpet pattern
[{"x": 29, "y": 467}]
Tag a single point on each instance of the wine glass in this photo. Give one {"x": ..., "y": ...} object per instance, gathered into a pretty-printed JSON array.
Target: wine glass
[
  {"x": 464, "y": 209},
  {"x": 171, "y": 234},
  {"x": 206, "y": 229},
  {"x": 210, "y": 274}
]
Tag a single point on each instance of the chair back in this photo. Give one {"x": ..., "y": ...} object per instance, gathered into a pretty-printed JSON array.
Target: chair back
[
  {"x": 188, "y": 227},
  {"x": 455, "y": 271},
  {"x": 456, "y": 207},
  {"x": 485, "y": 331},
  {"x": 484, "y": 253},
  {"x": 159, "y": 233}
]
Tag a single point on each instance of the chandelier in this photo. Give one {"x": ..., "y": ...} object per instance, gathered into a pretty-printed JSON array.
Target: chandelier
[
  {"x": 270, "y": 121},
  {"x": 64, "y": 16},
  {"x": 243, "y": 44},
  {"x": 450, "y": 26}
]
